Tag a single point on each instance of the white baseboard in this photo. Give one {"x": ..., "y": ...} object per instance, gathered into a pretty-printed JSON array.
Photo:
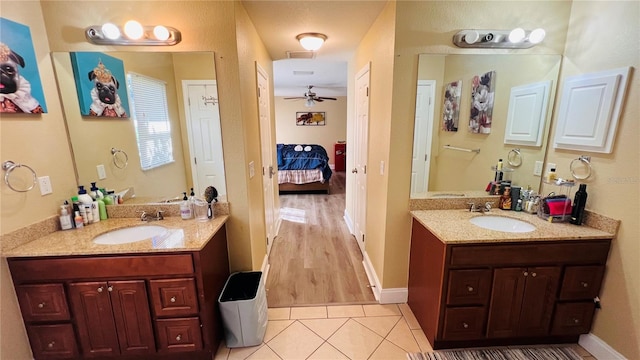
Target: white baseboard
[
  {"x": 383, "y": 296},
  {"x": 265, "y": 267},
  {"x": 348, "y": 221},
  {"x": 598, "y": 348}
]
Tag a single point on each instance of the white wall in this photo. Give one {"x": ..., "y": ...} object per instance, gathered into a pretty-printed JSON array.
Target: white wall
[{"x": 287, "y": 132}]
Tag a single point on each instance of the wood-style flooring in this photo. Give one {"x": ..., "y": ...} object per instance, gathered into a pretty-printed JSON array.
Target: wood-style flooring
[{"x": 314, "y": 259}]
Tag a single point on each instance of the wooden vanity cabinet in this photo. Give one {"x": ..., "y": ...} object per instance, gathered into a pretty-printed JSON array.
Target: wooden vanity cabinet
[
  {"x": 484, "y": 294},
  {"x": 125, "y": 306}
]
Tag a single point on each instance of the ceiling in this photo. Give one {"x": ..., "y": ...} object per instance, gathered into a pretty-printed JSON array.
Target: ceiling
[{"x": 344, "y": 22}]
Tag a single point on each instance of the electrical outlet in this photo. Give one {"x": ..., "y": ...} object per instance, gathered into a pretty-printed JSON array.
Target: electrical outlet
[
  {"x": 550, "y": 166},
  {"x": 102, "y": 174},
  {"x": 381, "y": 167},
  {"x": 45, "y": 185},
  {"x": 537, "y": 169}
]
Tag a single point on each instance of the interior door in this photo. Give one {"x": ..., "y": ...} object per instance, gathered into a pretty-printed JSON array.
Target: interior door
[
  {"x": 205, "y": 138},
  {"x": 422, "y": 137},
  {"x": 268, "y": 171},
  {"x": 360, "y": 158}
]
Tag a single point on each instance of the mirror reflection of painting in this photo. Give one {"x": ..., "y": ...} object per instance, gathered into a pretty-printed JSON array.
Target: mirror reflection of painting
[
  {"x": 98, "y": 77},
  {"x": 482, "y": 88},
  {"x": 20, "y": 85},
  {"x": 451, "y": 106},
  {"x": 310, "y": 118}
]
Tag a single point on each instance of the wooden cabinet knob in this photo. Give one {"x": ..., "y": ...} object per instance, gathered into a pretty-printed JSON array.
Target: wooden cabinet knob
[
  {"x": 110, "y": 288},
  {"x": 584, "y": 284},
  {"x": 526, "y": 273},
  {"x": 534, "y": 274},
  {"x": 469, "y": 288},
  {"x": 576, "y": 321},
  {"x": 41, "y": 305},
  {"x": 51, "y": 344},
  {"x": 100, "y": 289},
  {"x": 179, "y": 337},
  {"x": 465, "y": 325},
  {"x": 173, "y": 299}
]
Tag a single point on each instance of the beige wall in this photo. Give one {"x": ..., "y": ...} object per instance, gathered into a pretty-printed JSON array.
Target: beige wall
[
  {"x": 604, "y": 35},
  {"x": 287, "y": 132}
]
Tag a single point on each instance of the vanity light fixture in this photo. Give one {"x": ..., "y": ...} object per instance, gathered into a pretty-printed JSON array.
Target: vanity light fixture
[
  {"x": 311, "y": 41},
  {"x": 517, "y": 38},
  {"x": 132, "y": 33}
]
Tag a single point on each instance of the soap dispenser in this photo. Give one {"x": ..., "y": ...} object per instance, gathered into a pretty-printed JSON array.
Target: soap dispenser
[
  {"x": 185, "y": 207},
  {"x": 65, "y": 221}
]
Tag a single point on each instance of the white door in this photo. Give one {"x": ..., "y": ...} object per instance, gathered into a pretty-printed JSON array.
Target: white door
[
  {"x": 266, "y": 145},
  {"x": 205, "y": 137},
  {"x": 423, "y": 126},
  {"x": 360, "y": 158}
]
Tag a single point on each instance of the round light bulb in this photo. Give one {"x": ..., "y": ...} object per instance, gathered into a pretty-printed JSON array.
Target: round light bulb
[
  {"x": 110, "y": 31},
  {"x": 133, "y": 30},
  {"x": 311, "y": 43},
  {"x": 161, "y": 32},
  {"x": 471, "y": 37},
  {"x": 537, "y": 36},
  {"x": 516, "y": 35}
]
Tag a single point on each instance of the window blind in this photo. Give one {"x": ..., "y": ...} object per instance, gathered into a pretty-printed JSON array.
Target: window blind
[{"x": 148, "y": 98}]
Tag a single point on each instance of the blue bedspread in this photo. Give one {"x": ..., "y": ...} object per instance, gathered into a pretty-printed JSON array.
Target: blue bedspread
[{"x": 316, "y": 158}]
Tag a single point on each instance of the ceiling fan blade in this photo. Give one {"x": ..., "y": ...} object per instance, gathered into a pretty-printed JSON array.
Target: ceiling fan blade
[
  {"x": 318, "y": 99},
  {"x": 295, "y": 98},
  {"x": 326, "y": 98}
]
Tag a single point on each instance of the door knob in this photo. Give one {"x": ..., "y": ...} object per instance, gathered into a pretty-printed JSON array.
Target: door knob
[{"x": 354, "y": 170}]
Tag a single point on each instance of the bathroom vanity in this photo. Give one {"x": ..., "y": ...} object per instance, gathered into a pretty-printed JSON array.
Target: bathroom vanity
[
  {"x": 470, "y": 286},
  {"x": 146, "y": 299}
]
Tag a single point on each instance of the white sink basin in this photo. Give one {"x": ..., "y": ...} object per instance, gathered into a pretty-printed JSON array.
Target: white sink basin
[
  {"x": 130, "y": 234},
  {"x": 500, "y": 223}
]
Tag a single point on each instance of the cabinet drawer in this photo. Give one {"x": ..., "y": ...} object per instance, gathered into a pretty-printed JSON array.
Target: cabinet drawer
[
  {"x": 581, "y": 282},
  {"x": 43, "y": 302},
  {"x": 464, "y": 323},
  {"x": 52, "y": 341},
  {"x": 469, "y": 287},
  {"x": 573, "y": 318},
  {"x": 175, "y": 335},
  {"x": 174, "y": 297}
]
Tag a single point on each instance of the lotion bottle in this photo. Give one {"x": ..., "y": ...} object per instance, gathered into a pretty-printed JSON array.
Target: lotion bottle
[
  {"x": 78, "y": 220},
  {"x": 65, "y": 222},
  {"x": 185, "y": 207}
]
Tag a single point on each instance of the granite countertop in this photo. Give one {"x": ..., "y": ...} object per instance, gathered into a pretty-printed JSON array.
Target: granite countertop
[
  {"x": 184, "y": 235},
  {"x": 453, "y": 227}
]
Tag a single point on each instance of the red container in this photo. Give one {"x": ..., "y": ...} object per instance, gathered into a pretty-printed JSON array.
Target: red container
[{"x": 340, "y": 158}]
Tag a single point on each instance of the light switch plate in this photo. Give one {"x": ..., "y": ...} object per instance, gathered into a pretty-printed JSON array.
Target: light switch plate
[
  {"x": 537, "y": 170},
  {"x": 102, "y": 174},
  {"x": 252, "y": 170},
  {"x": 381, "y": 167},
  {"x": 45, "y": 185}
]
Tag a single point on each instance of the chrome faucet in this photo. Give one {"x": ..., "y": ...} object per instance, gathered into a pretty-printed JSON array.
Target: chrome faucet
[
  {"x": 480, "y": 208},
  {"x": 145, "y": 217}
]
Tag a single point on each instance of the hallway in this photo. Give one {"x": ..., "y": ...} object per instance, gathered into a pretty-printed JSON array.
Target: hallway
[{"x": 314, "y": 259}]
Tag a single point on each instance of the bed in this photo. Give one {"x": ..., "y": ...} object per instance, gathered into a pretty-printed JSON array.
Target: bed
[{"x": 303, "y": 168}]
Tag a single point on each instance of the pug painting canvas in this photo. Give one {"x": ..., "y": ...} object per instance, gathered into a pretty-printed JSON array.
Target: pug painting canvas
[
  {"x": 20, "y": 86},
  {"x": 100, "y": 83}
]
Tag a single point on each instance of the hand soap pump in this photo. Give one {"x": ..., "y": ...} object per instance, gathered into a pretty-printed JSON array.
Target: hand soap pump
[
  {"x": 185, "y": 207},
  {"x": 65, "y": 221}
]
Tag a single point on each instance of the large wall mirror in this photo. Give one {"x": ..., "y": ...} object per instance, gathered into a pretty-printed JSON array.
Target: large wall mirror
[
  {"x": 459, "y": 161},
  {"x": 109, "y": 146}
]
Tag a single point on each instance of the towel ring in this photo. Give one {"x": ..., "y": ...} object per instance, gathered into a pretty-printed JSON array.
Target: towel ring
[
  {"x": 8, "y": 166},
  {"x": 117, "y": 159},
  {"x": 514, "y": 158},
  {"x": 585, "y": 161}
]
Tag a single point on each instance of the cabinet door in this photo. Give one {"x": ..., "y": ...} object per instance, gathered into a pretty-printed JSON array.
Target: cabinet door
[
  {"x": 506, "y": 302},
  {"x": 538, "y": 301},
  {"x": 132, "y": 318},
  {"x": 42, "y": 302},
  {"x": 581, "y": 282},
  {"x": 91, "y": 306},
  {"x": 174, "y": 297}
]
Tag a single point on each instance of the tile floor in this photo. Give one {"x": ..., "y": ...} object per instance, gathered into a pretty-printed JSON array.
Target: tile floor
[{"x": 340, "y": 332}]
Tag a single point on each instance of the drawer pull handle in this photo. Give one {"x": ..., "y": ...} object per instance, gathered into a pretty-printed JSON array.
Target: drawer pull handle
[
  {"x": 179, "y": 337},
  {"x": 51, "y": 344},
  {"x": 110, "y": 288},
  {"x": 534, "y": 274},
  {"x": 525, "y": 273},
  {"x": 42, "y": 304},
  {"x": 469, "y": 288},
  {"x": 173, "y": 299},
  {"x": 584, "y": 284},
  {"x": 465, "y": 325},
  {"x": 100, "y": 289}
]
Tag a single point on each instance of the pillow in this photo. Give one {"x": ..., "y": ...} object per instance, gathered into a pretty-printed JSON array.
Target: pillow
[{"x": 298, "y": 148}]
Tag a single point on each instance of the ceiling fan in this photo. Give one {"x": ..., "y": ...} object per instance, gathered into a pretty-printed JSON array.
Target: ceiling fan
[{"x": 310, "y": 97}]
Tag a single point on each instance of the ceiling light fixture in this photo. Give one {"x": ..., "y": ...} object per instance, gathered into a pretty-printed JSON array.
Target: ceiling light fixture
[
  {"x": 517, "y": 38},
  {"x": 311, "y": 41},
  {"x": 132, "y": 33},
  {"x": 309, "y": 103}
]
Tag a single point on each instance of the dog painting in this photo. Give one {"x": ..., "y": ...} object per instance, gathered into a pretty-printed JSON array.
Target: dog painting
[
  {"x": 100, "y": 85},
  {"x": 20, "y": 85}
]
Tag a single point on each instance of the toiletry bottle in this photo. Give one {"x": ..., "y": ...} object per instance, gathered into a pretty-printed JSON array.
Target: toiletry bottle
[
  {"x": 78, "y": 220},
  {"x": 108, "y": 199},
  {"x": 499, "y": 175},
  {"x": 95, "y": 193},
  {"x": 83, "y": 197},
  {"x": 579, "y": 201},
  {"x": 65, "y": 222},
  {"x": 95, "y": 212},
  {"x": 551, "y": 176},
  {"x": 102, "y": 209},
  {"x": 70, "y": 212},
  {"x": 185, "y": 207}
]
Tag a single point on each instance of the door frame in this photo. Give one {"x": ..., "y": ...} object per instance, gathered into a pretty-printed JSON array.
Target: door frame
[{"x": 361, "y": 132}]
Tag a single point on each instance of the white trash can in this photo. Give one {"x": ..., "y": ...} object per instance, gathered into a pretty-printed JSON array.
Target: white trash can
[{"x": 243, "y": 306}]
